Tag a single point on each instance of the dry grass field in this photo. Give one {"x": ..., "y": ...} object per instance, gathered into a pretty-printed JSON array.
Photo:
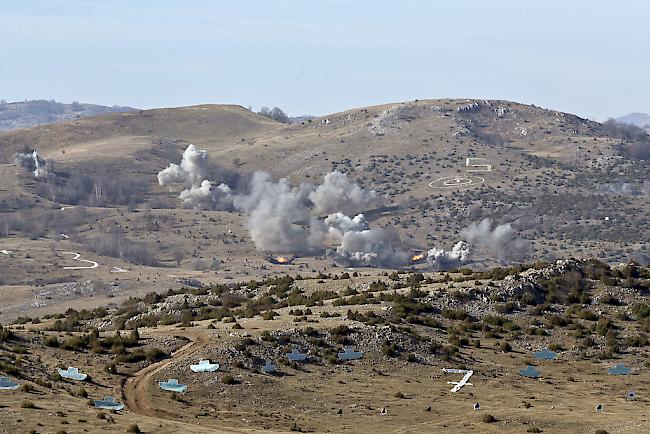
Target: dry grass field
[{"x": 562, "y": 186}]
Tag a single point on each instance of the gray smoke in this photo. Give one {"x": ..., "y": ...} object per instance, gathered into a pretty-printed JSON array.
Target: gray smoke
[
  {"x": 370, "y": 247},
  {"x": 500, "y": 241},
  {"x": 443, "y": 260},
  {"x": 25, "y": 161},
  {"x": 282, "y": 218},
  {"x": 338, "y": 194},
  {"x": 349, "y": 241},
  {"x": 42, "y": 169},
  {"x": 624, "y": 188},
  {"x": 276, "y": 214}
]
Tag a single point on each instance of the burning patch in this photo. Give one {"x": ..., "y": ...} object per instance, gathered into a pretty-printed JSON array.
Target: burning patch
[
  {"x": 280, "y": 260},
  {"x": 418, "y": 258}
]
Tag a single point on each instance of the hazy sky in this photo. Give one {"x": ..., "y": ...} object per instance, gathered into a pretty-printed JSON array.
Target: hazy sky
[{"x": 587, "y": 57}]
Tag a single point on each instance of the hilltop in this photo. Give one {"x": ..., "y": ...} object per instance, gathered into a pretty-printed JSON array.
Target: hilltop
[
  {"x": 423, "y": 235},
  {"x": 25, "y": 114}
]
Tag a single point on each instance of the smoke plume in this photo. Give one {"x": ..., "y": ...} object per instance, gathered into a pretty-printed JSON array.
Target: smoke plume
[
  {"x": 207, "y": 196},
  {"x": 443, "y": 260},
  {"x": 624, "y": 188},
  {"x": 192, "y": 171},
  {"x": 338, "y": 194},
  {"x": 282, "y": 218},
  {"x": 370, "y": 247},
  {"x": 500, "y": 241},
  {"x": 199, "y": 192},
  {"x": 276, "y": 214},
  {"x": 31, "y": 162}
]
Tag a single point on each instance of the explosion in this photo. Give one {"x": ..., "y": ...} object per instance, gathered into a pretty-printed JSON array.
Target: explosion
[
  {"x": 280, "y": 260},
  {"x": 417, "y": 258}
]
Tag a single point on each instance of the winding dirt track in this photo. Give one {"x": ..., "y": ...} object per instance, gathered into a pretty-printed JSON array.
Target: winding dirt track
[
  {"x": 93, "y": 264},
  {"x": 137, "y": 388}
]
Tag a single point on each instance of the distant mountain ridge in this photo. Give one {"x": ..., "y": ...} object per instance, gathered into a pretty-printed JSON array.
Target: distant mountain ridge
[
  {"x": 25, "y": 114},
  {"x": 639, "y": 119}
]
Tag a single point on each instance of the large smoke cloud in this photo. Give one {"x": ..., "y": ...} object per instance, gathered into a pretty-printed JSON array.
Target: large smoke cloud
[
  {"x": 276, "y": 214},
  {"x": 287, "y": 219},
  {"x": 282, "y": 218},
  {"x": 31, "y": 162},
  {"x": 443, "y": 260},
  {"x": 370, "y": 247},
  {"x": 356, "y": 244},
  {"x": 338, "y": 194},
  {"x": 500, "y": 241}
]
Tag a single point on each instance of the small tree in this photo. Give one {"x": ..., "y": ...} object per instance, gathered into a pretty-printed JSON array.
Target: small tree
[{"x": 178, "y": 257}]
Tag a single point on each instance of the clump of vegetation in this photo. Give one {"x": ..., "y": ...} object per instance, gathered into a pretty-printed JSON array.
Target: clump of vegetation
[
  {"x": 228, "y": 379},
  {"x": 5, "y": 334},
  {"x": 488, "y": 418}
]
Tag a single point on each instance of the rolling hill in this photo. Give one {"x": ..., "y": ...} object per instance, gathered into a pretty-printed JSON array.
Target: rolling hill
[
  {"x": 420, "y": 236},
  {"x": 25, "y": 114},
  {"x": 525, "y": 183}
]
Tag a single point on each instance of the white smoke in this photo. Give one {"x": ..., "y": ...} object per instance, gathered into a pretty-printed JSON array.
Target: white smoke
[
  {"x": 207, "y": 196},
  {"x": 199, "y": 192},
  {"x": 624, "y": 188},
  {"x": 500, "y": 241},
  {"x": 370, "y": 247},
  {"x": 339, "y": 223},
  {"x": 192, "y": 171},
  {"x": 338, "y": 194},
  {"x": 443, "y": 260},
  {"x": 42, "y": 169},
  {"x": 282, "y": 218}
]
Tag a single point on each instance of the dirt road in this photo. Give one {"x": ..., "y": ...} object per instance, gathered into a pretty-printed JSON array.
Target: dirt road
[{"x": 137, "y": 388}]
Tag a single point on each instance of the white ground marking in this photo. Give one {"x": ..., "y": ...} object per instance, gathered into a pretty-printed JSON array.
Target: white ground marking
[
  {"x": 471, "y": 162},
  {"x": 456, "y": 181},
  {"x": 118, "y": 270},
  {"x": 64, "y": 236},
  {"x": 93, "y": 264},
  {"x": 6, "y": 252},
  {"x": 459, "y": 384}
]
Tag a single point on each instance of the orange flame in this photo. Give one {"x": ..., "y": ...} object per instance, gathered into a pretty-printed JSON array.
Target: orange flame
[
  {"x": 418, "y": 257},
  {"x": 282, "y": 259}
]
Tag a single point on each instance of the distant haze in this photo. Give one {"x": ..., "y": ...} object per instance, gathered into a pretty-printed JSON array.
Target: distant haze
[
  {"x": 639, "y": 119},
  {"x": 27, "y": 114},
  {"x": 583, "y": 56}
]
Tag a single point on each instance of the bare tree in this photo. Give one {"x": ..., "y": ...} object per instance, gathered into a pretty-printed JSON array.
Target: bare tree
[{"x": 178, "y": 257}]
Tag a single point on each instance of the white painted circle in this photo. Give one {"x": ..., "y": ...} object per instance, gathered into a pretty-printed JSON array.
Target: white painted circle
[{"x": 456, "y": 181}]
